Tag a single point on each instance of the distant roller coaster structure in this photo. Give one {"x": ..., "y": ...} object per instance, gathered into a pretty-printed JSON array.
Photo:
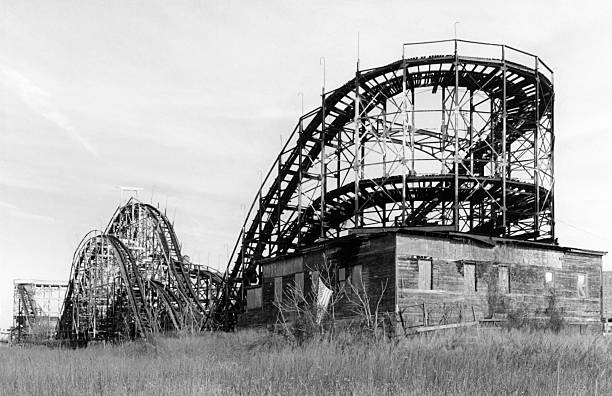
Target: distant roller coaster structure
[
  {"x": 462, "y": 141},
  {"x": 131, "y": 280}
]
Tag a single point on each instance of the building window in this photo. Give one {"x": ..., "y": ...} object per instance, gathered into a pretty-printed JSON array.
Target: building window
[
  {"x": 357, "y": 279},
  {"x": 469, "y": 276},
  {"x": 299, "y": 283},
  {"x": 314, "y": 278},
  {"x": 582, "y": 286},
  {"x": 503, "y": 284},
  {"x": 424, "y": 274},
  {"x": 254, "y": 298},
  {"x": 549, "y": 280},
  {"x": 341, "y": 277},
  {"x": 278, "y": 289}
]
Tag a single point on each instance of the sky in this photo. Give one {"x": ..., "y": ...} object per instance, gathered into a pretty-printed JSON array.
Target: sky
[{"x": 188, "y": 100}]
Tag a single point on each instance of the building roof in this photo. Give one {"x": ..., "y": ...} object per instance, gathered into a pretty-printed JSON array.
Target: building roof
[
  {"x": 40, "y": 282},
  {"x": 440, "y": 233}
]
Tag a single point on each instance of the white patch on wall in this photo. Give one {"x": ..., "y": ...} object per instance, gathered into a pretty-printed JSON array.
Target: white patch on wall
[
  {"x": 424, "y": 274},
  {"x": 469, "y": 276},
  {"x": 581, "y": 284},
  {"x": 503, "y": 280}
]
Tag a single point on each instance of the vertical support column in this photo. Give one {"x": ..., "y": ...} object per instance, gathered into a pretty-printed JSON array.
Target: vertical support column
[
  {"x": 404, "y": 131},
  {"x": 492, "y": 126},
  {"x": 503, "y": 156},
  {"x": 552, "y": 158},
  {"x": 199, "y": 280},
  {"x": 242, "y": 272},
  {"x": 356, "y": 144},
  {"x": 384, "y": 140},
  {"x": 412, "y": 171},
  {"x": 471, "y": 136},
  {"x": 456, "y": 149},
  {"x": 412, "y": 131},
  {"x": 471, "y": 132},
  {"x": 278, "y": 199},
  {"x": 384, "y": 153},
  {"x": 536, "y": 150},
  {"x": 323, "y": 163},
  {"x": 444, "y": 132},
  {"x": 338, "y": 166},
  {"x": 259, "y": 249},
  {"x": 92, "y": 294},
  {"x": 362, "y": 157},
  {"x": 300, "y": 148}
]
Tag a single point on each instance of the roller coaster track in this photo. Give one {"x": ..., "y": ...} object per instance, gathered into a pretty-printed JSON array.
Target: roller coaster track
[
  {"x": 29, "y": 305},
  {"x": 134, "y": 286},
  {"x": 131, "y": 281},
  {"x": 28, "y": 310},
  {"x": 501, "y": 183}
]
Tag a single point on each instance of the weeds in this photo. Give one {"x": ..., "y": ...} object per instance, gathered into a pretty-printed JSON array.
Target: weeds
[
  {"x": 550, "y": 319},
  {"x": 247, "y": 362}
]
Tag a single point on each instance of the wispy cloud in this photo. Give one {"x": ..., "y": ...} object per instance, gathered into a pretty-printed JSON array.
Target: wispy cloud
[
  {"x": 15, "y": 211},
  {"x": 41, "y": 102}
]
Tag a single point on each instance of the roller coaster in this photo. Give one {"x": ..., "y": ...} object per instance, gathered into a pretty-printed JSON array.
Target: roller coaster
[
  {"x": 462, "y": 141},
  {"x": 132, "y": 280},
  {"x": 36, "y": 305}
]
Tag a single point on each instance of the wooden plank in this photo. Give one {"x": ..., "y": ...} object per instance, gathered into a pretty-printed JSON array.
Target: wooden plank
[{"x": 425, "y": 329}]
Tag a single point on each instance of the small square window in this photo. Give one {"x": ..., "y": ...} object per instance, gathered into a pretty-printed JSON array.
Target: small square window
[
  {"x": 254, "y": 298},
  {"x": 314, "y": 278},
  {"x": 299, "y": 283},
  {"x": 341, "y": 277},
  {"x": 278, "y": 289},
  {"x": 357, "y": 279},
  {"x": 548, "y": 278},
  {"x": 582, "y": 286},
  {"x": 504, "y": 280},
  {"x": 424, "y": 274},
  {"x": 469, "y": 275}
]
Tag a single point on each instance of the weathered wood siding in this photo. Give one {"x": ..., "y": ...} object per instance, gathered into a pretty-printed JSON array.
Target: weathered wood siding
[
  {"x": 607, "y": 295},
  {"x": 461, "y": 279},
  {"x": 454, "y": 297},
  {"x": 374, "y": 254}
]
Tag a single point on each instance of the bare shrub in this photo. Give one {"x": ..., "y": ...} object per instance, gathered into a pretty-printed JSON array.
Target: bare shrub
[
  {"x": 371, "y": 322},
  {"x": 522, "y": 316},
  {"x": 554, "y": 314},
  {"x": 517, "y": 317},
  {"x": 302, "y": 319}
]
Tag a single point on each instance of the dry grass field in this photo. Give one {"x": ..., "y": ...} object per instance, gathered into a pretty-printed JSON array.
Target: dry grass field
[{"x": 456, "y": 363}]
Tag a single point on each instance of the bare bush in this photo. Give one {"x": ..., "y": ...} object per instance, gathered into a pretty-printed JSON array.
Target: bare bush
[{"x": 303, "y": 317}]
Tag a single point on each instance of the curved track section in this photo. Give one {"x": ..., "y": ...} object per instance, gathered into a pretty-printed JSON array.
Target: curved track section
[
  {"x": 104, "y": 299},
  {"x": 455, "y": 141},
  {"x": 150, "y": 236},
  {"x": 132, "y": 280}
]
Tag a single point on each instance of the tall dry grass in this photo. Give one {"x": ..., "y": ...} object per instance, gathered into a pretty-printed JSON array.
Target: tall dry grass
[{"x": 455, "y": 363}]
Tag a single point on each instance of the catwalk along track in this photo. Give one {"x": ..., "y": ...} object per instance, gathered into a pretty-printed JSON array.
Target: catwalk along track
[{"x": 460, "y": 141}]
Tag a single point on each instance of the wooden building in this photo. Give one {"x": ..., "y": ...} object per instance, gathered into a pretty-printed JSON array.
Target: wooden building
[
  {"x": 606, "y": 303},
  {"x": 420, "y": 279}
]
